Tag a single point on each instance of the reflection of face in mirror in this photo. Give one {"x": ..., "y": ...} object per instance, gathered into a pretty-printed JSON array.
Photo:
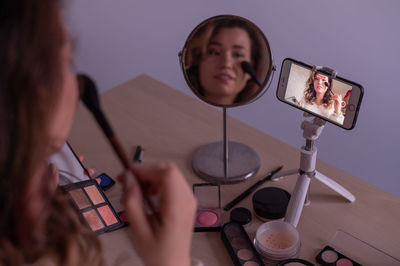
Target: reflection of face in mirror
[
  {"x": 213, "y": 59},
  {"x": 221, "y": 75}
]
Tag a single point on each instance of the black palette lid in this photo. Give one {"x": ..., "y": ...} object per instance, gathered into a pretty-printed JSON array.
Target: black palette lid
[
  {"x": 241, "y": 216},
  {"x": 271, "y": 202}
]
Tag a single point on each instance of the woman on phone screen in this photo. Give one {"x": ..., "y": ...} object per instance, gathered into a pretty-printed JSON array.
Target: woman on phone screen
[{"x": 319, "y": 98}]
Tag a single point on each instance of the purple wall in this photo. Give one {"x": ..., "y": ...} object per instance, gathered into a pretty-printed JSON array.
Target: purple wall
[{"x": 118, "y": 40}]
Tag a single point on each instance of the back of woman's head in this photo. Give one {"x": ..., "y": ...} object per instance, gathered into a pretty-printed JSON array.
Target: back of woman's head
[{"x": 31, "y": 39}]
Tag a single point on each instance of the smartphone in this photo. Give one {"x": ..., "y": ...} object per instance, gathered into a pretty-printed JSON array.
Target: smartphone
[
  {"x": 336, "y": 100},
  {"x": 70, "y": 168}
]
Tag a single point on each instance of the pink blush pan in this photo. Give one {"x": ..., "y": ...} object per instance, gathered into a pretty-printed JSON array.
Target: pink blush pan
[
  {"x": 207, "y": 218},
  {"x": 208, "y": 215}
]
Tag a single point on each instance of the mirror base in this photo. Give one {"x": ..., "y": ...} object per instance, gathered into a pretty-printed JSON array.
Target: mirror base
[{"x": 208, "y": 162}]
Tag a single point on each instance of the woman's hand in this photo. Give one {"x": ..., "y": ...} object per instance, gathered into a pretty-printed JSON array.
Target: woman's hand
[
  {"x": 170, "y": 242},
  {"x": 91, "y": 171},
  {"x": 337, "y": 101}
]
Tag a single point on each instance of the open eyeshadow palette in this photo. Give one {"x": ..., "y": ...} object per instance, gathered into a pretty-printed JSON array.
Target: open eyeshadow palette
[
  {"x": 89, "y": 199},
  {"x": 346, "y": 249},
  {"x": 239, "y": 246},
  {"x": 331, "y": 257}
]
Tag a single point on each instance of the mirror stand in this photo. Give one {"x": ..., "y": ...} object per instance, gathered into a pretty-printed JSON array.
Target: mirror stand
[{"x": 225, "y": 162}]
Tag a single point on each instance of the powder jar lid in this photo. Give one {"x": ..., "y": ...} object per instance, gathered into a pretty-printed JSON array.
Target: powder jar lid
[
  {"x": 241, "y": 216},
  {"x": 271, "y": 202}
]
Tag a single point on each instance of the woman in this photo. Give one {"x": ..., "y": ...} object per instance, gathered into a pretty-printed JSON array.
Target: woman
[
  {"x": 319, "y": 98},
  {"x": 214, "y": 57},
  {"x": 38, "y": 94}
]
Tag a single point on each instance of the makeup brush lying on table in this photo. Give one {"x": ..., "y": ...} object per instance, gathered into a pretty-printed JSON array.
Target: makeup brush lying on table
[{"x": 90, "y": 98}]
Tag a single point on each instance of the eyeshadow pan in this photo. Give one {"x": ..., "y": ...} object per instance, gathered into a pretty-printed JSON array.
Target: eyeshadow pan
[
  {"x": 329, "y": 256},
  {"x": 93, "y": 220},
  {"x": 232, "y": 230},
  {"x": 79, "y": 198},
  {"x": 245, "y": 254},
  {"x": 344, "y": 262},
  {"x": 239, "y": 242},
  {"x": 107, "y": 214},
  {"x": 251, "y": 263},
  {"x": 94, "y": 194}
]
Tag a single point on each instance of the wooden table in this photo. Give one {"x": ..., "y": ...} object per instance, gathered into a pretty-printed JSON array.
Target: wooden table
[{"x": 171, "y": 126}]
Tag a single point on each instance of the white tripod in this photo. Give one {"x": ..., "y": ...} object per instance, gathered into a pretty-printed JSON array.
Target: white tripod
[{"x": 311, "y": 131}]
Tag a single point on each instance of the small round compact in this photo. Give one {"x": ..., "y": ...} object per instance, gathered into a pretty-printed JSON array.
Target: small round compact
[
  {"x": 270, "y": 203},
  {"x": 241, "y": 216}
]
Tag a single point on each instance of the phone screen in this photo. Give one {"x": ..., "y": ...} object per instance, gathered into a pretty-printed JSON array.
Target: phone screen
[
  {"x": 70, "y": 169},
  {"x": 335, "y": 100}
]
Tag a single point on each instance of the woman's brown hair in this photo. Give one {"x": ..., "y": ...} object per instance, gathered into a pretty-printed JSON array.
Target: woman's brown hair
[
  {"x": 310, "y": 94},
  {"x": 35, "y": 225}
]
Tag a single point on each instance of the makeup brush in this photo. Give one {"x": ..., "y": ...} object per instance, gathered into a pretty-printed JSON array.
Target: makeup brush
[
  {"x": 249, "y": 69},
  {"x": 90, "y": 98}
]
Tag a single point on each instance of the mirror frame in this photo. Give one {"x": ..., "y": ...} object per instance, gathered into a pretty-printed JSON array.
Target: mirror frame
[{"x": 266, "y": 63}]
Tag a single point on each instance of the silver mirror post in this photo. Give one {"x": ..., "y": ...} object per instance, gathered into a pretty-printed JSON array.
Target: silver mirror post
[{"x": 225, "y": 162}]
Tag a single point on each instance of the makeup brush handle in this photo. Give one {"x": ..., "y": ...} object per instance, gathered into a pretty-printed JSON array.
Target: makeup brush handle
[
  {"x": 126, "y": 163},
  {"x": 120, "y": 152},
  {"x": 102, "y": 121}
]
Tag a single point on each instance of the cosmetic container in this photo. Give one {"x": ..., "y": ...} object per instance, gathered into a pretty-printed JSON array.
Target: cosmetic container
[
  {"x": 270, "y": 203},
  {"x": 208, "y": 215},
  {"x": 277, "y": 241},
  {"x": 241, "y": 216}
]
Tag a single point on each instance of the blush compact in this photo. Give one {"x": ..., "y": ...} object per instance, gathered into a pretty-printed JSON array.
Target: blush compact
[
  {"x": 270, "y": 203},
  {"x": 208, "y": 215}
]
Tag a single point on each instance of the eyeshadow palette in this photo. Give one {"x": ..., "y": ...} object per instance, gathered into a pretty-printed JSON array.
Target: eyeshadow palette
[
  {"x": 208, "y": 216},
  {"x": 330, "y": 257},
  {"x": 105, "y": 181},
  {"x": 93, "y": 205},
  {"x": 239, "y": 246}
]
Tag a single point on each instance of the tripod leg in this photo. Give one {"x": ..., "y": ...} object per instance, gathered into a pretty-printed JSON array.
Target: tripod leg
[
  {"x": 335, "y": 186},
  {"x": 297, "y": 200}
]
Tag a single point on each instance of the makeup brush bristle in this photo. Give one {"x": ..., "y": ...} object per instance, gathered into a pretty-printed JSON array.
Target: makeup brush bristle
[{"x": 249, "y": 69}]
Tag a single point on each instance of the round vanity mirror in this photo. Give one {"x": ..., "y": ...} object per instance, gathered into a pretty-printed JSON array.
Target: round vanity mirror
[
  {"x": 213, "y": 57},
  {"x": 227, "y": 62}
]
